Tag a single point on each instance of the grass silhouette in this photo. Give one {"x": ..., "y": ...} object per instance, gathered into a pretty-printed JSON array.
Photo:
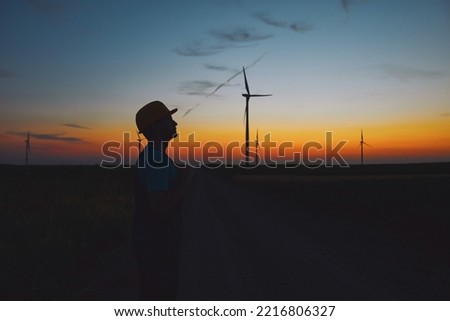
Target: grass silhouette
[
  {"x": 56, "y": 224},
  {"x": 65, "y": 231}
]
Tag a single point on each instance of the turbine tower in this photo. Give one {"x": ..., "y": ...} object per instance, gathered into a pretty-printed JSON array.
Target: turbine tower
[
  {"x": 27, "y": 148},
  {"x": 361, "y": 144},
  {"x": 246, "y": 114},
  {"x": 257, "y": 147}
]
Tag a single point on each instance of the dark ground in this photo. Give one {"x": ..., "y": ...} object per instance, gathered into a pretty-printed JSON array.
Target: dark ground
[{"x": 374, "y": 233}]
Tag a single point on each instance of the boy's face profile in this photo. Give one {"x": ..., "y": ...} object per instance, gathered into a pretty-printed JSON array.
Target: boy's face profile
[{"x": 166, "y": 127}]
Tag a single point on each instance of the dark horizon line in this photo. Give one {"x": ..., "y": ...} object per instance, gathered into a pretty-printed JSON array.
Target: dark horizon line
[{"x": 287, "y": 165}]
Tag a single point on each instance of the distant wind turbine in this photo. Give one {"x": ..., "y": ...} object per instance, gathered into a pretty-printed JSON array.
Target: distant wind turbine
[
  {"x": 246, "y": 114},
  {"x": 257, "y": 148},
  {"x": 361, "y": 144},
  {"x": 27, "y": 148}
]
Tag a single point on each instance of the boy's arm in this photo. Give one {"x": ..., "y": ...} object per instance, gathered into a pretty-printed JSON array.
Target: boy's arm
[{"x": 162, "y": 202}]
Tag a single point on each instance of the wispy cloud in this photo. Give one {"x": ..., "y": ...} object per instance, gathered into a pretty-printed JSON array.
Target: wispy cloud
[
  {"x": 198, "y": 48},
  {"x": 301, "y": 27},
  {"x": 58, "y": 136},
  {"x": 47, "y": 136},
  {"x": 218, "y": 68},
  {"x": 240, "y": 35},
  {"x": 46, "y": 8},
  {"x": 405, "y": 73},
  {"x": 444, "y": 115},
  {"x": 6, "y": 73},
  {"x": 75, "y": 126},
  {"x": 196, "y": 87},
  {"x": 294, "y": 26},
  {"x": 222, "y": 40},
  {"x": 345, "y": 4}
]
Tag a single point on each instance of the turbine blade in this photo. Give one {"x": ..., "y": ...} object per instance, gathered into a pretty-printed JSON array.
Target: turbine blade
[
  {"x": 246, "y": 83},
  {"x": 232, "y": 77},
  {"x": 264, "y": 95},
  {"x": 367, "y": 144}
]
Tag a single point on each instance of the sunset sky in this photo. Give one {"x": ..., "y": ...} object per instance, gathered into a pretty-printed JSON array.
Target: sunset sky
[{"x": 74, "y": 73}]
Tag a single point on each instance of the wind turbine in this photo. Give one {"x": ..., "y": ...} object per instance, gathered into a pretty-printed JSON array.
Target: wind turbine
[
  {"x": 257, "y": 147},
  {"x": 361, "y": 144},
  {"x": 246, "y": 114},
  {"x": 27, "y": 148}
]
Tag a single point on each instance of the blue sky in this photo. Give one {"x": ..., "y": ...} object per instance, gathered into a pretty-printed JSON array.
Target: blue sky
[{"x": 330, "y": 65}]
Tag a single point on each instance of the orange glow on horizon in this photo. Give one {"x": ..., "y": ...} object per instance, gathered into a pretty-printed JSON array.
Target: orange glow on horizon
[{"x": 409, "y": 141}]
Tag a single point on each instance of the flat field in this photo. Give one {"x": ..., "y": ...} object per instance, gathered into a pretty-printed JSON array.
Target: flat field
[
  {"x": 59, "y": 224},
  {"x": 66, "y": 231}
]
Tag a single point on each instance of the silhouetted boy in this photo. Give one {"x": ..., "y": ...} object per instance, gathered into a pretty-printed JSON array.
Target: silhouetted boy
[{"x": 159, "y": 188}]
